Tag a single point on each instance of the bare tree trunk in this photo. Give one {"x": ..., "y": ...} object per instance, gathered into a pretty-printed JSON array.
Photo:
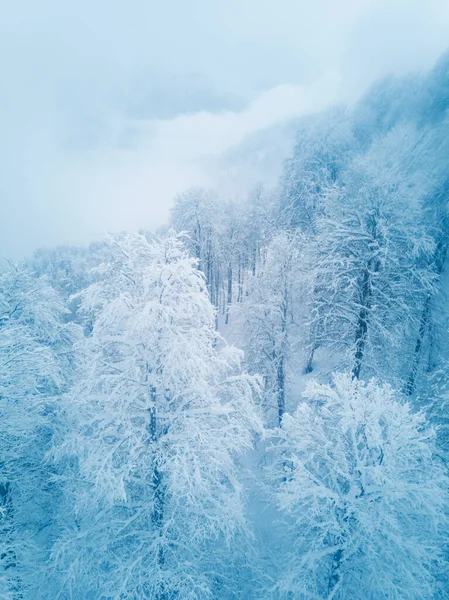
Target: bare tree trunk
[
  {"x": 281, "y": 358},
  {"x": 309, "y": 365},
  {"x": 254, "y": 260},
  {"x": 229, "y": 298},
  {"x": 335, "y": 574},
  {"x": 361, "y": 333},
  {"x": 157, "y": 514},
  {"x": 8, "y": 558},
  {"x": 280, "y": 381},
  {"x": 409, "y": 388},
  {"x": 424, "y": 325},
  {"x": 240, "y": 282},
  {"x": 216, "y": 302},
  {"x": 314, "y": 330}
]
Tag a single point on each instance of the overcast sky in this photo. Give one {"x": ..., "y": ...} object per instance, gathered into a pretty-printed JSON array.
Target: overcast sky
[{"x": 109, "y": 108}]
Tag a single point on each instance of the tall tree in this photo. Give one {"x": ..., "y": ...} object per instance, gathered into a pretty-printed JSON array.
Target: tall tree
[
  {"x": 195, "y": 212},
  {"x": 156, "y": 422},
  {"x": 321, "y": 153},
  {"x": 35, "y": 360},
  {"x": 365, "y": 498},
  {"x": 374, "y": 267},
  {"x": 269, "y": 319}
]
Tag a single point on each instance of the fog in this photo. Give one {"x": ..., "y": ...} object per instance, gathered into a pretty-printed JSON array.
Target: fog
[{"x": 108, "y": 109}]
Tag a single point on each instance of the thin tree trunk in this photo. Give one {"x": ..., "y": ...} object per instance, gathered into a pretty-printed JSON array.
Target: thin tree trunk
[
  {"x": 361, "y": 333},
  {"x": 8, "y": 559},
  {"x": 409, "y": 388},
  {"x": 281, "y": 389},
  {"x": 281, "y": 359},
  {"x": 229, "y": 299},
  {"x": 254, "y": 260},
  {"x": 439, "y": 260},
  {"x": 157, "y": 515},
  {"x": 216, "y": 302},
  {"x": 313, "y": 330},
  {"x": 240, "y": 281},
  {"x": 335, "y": 574},
  {"x": 309, "y": 365}
]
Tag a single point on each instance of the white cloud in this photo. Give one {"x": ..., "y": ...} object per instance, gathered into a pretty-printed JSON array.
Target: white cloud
[
  {"x": 78, "y": 157},
  {"x": 114, "y": 187}
]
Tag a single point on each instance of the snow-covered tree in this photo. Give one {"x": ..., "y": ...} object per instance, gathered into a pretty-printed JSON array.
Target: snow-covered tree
[
  {"x": 374, "y": 270},
  {"x": 364, "y": 495},
  {"x": 155, "y": 425},
  {"x": 233, "y": 253},
  {"x": 268, "y": 318},
  {"x": 67, "y": 268},
  {"x": 260, "y": 224},
  {"x": 197, "y": 212},
  {"x": 321, "y": 152},
  {"x": 226, "y": 237},
  {"x": 35, "y": 360}
]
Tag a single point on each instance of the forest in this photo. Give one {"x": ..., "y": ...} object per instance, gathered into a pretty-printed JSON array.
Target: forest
[{"x": 251, "y": 402}]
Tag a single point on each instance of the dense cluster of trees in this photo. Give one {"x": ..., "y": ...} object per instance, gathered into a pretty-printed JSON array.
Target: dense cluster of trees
[{"x": 143, "y": 456}]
